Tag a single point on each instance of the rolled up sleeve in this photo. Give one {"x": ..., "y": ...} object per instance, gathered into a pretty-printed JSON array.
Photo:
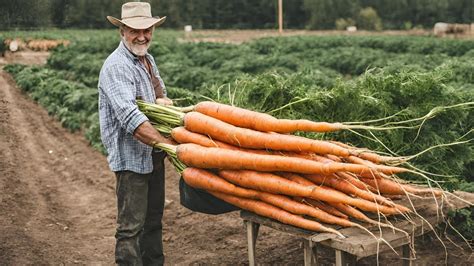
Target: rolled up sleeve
[{"x": 118, "y": 87}]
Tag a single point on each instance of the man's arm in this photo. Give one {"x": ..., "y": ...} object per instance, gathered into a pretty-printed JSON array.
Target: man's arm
[{"x": 147, "y": 134}]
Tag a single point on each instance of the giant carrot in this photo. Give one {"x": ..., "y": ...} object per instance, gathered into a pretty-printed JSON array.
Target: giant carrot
[
  {"x": 212, "y": 157},
  {"x": 356, "y": 182},
  {"x": 278, "y": 185},
  {"x": 204, "y": 179},
  {"x": 260, "y": 121},
  {"x": 199, "y": 178},
  {"x": 245, "y": 118},
  {"x": 321, "y": 205},
  {"x": 387, "y": 186},
  {"x": 244, "y": 137},
  {"x": 270, "y": 211},
  {"x": 182, "y": 135},
  {"x": 346, "y": 187},
  {"x": 248, "y": 138}
]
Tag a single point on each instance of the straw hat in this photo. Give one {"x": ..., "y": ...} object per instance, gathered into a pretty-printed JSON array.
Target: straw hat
[{"x": 137, "y": 15}]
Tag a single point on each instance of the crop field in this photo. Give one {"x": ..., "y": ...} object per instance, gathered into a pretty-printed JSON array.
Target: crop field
[
  {"x": 332, "y": 78},
  {"x": 335, "y": 78}
]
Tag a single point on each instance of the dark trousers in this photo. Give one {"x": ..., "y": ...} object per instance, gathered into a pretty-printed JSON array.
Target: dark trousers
[{"x": 140, "y": 204}]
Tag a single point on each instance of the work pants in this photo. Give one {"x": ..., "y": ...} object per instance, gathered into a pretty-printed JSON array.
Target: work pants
[{"x": 140, "y": 204}]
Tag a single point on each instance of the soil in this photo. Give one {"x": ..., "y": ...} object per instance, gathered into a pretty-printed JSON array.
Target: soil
[
  {"x": 57, "y": 205},
  {"x": 241, "y": 36}
]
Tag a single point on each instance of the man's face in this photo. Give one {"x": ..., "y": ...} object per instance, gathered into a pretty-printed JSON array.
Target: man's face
[{"x": 137, "y": 40}]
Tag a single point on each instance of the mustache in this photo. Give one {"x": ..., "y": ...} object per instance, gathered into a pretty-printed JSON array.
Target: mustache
[{"x": 141, "y": 42}]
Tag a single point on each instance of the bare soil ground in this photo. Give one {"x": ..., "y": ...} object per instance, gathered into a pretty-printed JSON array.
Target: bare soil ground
[
  {"x": 57, "y": 205},
  {"x": 240, "y": 36}
]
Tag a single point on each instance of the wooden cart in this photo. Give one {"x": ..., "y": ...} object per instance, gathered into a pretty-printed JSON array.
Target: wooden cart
[{"x": 358, "y": 244}]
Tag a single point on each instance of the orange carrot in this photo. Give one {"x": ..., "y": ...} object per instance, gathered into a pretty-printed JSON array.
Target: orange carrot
[
  {"x": 273, "y": 212},
  {"x": 262, "y": 122},
  {"x": 348, "y": 210},
  {"x": 349, "y": 147},
  {"x": 182, "y": 135},
  {"x": 333, "y": 158},
  {"x": 302, "y": 209},
  {"x": 387, "y": 186},
  {"x": 203, "y": 179},
  {"x": 199, "y": 178},
  {"x": 356, "y": 182},
  {"x": 278, "y": 185},
  {"x": 353, "y": 212},
  {"x": 244, "y": 118},
  {"x": 321, "y": 205},
  {"x": 211, "y": 157},
  {"x": 367, "y": 154},
  {"x": 248, "y": 138},
  {"x": 346, "y": 187},
  {"x": 360, "y": 160},
  {"x": 355, "y": 159}
]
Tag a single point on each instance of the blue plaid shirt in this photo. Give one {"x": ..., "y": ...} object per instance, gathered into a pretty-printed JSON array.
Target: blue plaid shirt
[{"x": 122, "y": 80}]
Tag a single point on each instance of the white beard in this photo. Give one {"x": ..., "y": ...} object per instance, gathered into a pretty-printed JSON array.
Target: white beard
[{"x": 139, "y": 50}]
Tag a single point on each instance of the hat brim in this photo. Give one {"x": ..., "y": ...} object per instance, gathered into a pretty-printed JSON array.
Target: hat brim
[{"x": 138, "y": 23}]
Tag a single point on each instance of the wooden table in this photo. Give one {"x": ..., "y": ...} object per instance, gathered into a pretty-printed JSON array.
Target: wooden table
[{"x": 359, "y": 244}]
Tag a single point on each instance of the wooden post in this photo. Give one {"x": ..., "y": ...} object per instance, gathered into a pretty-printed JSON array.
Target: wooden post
[
  {"x": 310, "y": 253},
  {"x": 252, "y": 233},
  {"x": 280, "y": 16},
  {"x": 343, "y": 258},
  {"x": 406, "y": 254}
]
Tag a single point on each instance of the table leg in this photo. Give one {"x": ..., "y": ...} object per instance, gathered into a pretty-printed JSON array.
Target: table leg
[
  {"x": 310, "y": 253},
  {"x": 252, "y": 233},
  {"x": 344, "y": 258},
  {"x": 406, "y": 254}
]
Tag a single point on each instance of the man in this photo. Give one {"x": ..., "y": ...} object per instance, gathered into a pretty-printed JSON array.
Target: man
[{"x": 128, "y": 74}]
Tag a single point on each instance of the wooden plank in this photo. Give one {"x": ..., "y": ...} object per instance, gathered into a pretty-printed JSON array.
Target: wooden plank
[
  {"x": 249, "y": 216},
  {"x": 310, "y": 257},
  {"x": 407, "y": 256}
]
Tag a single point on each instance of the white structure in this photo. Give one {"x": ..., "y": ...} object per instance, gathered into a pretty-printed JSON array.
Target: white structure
[
  {"x": 351, "y": 29},
  {"x": 440, "y": 29}
]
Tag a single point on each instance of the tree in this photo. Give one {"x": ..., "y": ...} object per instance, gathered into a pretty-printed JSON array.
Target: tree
[
  {"x": 324, "y": 13},
  {"x": 368, "y": 19}
]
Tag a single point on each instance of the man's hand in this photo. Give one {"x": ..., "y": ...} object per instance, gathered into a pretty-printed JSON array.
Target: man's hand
[
  {"x": 147, "y": 134},
  {"x": 164, "y": 101}
]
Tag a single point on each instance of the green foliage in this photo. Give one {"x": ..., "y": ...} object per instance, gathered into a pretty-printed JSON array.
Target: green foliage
[
  {"x": 243, "y": 14},
  {"x": 368, "y": 19},
  {"x": 463, "y": 221},
  {"x": 74, "y": 104},
  {"x": 14, "y": 68},
  {"x": 342, "y": 23},
  {"x": 341, "y": 78},
  {"x": 3, "y": 47}
]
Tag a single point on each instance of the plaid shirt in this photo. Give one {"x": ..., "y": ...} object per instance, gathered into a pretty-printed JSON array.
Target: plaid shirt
[{"x": 122, "y": 80}]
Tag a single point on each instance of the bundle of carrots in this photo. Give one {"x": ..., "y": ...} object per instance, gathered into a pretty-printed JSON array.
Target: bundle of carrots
[{"x": 252, "y": 160}]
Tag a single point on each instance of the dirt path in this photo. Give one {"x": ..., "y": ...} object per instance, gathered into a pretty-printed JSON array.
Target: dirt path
[
  {"x": 57, "y": 195},
  {"x": 57, "y": 204}
]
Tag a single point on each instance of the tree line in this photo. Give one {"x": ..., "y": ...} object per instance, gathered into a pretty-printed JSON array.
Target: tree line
[{"x": 242, "y": 14}]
